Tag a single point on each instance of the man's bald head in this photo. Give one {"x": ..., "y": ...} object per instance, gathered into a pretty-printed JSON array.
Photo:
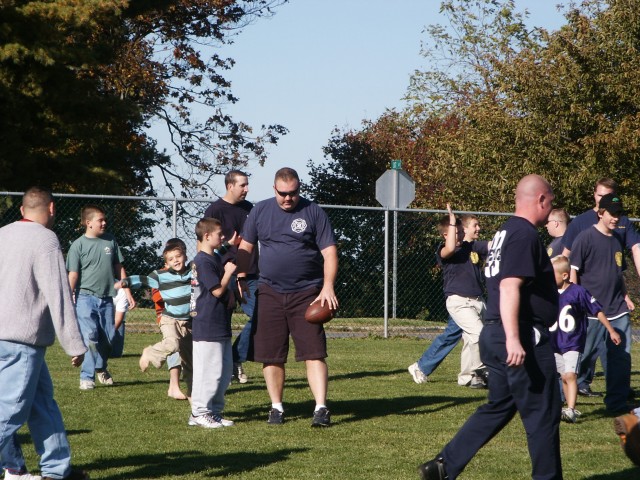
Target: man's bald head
[
  {"x": 37, "y": 206},
  {"x": 534, "y": 197}
]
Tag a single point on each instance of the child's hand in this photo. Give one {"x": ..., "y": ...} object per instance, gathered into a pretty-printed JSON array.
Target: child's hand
[
  {"x": 230, "y": 268},
  {"x": 615, "y": 338},
  {"x": 234, "y": 241}
]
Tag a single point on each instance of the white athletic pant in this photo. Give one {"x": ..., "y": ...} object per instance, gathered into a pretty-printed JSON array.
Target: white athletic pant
[
  {"x": 468, "y": 312},
  {"x": 212, "y": 372}
]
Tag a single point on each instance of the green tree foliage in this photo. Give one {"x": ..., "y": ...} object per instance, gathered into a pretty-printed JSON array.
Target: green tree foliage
[
  {"x": 501, "y": 100},
  {"x": 81, "y": 81}
]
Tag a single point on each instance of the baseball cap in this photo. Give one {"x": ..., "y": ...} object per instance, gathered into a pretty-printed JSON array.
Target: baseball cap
[{"x": 612, "y": 203}]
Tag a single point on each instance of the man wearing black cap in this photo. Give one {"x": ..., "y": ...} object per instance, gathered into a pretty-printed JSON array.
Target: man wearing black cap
[{"x": 597, "y": 262}]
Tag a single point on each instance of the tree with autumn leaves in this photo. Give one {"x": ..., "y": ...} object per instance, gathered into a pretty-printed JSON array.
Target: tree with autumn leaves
[{"x": 499, "y": 100}]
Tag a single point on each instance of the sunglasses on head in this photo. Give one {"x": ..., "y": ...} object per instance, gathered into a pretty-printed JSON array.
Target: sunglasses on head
[{"x": 291, "y": 194}]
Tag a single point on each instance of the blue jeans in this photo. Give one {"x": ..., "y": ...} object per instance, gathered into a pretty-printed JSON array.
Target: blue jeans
[
  {"x": 117, "y": 345},
  {"x": 440, "y": 348},
  {"x": 29, "y": 399},
  {"x": 618, "y": 373},
  {"x": 594, "y": 348},
  {"x": 242, "y": 343},
  {"x": 96, "y": 319}
]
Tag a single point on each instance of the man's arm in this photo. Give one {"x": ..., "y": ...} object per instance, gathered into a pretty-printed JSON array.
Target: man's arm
[
  {"x": 509, "y": 309},
  {"x": 635, "y": 252},
  {"x": 327, "y": 294},
  {"x": 243, "y": 260}
]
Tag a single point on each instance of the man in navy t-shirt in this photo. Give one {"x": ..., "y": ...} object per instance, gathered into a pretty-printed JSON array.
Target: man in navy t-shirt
[
  {"x": 631, "y": 240},
  {"x": 298, "y": 266},
  {"x": 514, "y": 344}
]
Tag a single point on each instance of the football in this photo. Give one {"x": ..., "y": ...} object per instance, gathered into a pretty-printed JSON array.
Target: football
[{"x": 318, "y": 314}]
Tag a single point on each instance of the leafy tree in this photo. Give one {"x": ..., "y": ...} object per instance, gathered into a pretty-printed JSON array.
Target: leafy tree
[{"x": 81, "y": 81}]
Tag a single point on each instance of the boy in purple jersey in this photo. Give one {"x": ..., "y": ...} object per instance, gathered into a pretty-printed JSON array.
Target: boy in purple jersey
[{"x": 569, "y": 333}]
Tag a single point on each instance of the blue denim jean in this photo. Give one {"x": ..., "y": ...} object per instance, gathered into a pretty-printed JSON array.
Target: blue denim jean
[
  {"x": 117, "y": 345},
  {"x": 440, "y": 348},
  {"x": 242, "y": 343},
  {"x": 618, "y": 374},
  {"x": 594, "y": 348},
  {"x": 30, "y": 400},
  {"x": 96, "y": 319}
]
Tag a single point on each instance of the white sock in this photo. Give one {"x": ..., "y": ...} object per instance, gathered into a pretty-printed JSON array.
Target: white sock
[
  {"x": 319, "y": 406},
  {"x": 277, "y": 406}
]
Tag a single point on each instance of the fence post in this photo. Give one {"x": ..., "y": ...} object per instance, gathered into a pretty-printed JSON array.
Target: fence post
[
  {"x": 386, "y": 273},
  {"x": 174, "y": 220},
  {"x": 395, "y": 264}
]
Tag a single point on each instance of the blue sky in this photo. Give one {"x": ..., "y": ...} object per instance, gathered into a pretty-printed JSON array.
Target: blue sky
[{"x": 321, "y": 64}]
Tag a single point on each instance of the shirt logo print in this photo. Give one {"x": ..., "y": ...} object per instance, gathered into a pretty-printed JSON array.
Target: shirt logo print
[
  {"x": 107, "y": 250},
  {"x": 299, "y": 225}
]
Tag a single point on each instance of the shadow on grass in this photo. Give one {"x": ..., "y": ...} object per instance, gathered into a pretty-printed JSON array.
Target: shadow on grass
[
  {"x": 626, "y": 474},
  {"x": 179, "y": 463}
]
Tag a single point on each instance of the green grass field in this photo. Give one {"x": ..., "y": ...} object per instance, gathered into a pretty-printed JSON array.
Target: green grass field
[{"x": 384, "y": 425}]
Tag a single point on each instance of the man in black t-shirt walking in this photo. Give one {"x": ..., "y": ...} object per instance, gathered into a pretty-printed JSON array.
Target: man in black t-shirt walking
[
  {"x": 232, "y": 211},
  {"x": 514, "y": 344}
]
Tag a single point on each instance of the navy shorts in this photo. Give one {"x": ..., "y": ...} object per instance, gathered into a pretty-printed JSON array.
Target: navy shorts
[{"x": 281, "y": 314}]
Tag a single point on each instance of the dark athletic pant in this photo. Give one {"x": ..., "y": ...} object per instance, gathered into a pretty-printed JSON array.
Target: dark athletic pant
[{"x": 532, "y": 390}]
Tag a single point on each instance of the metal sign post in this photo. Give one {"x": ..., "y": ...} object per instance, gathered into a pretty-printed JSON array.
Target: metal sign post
[{"x": 394, "y": 189}]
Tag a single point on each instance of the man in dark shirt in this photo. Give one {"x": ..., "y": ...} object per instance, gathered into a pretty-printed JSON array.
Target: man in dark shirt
[
  {"x": 232, "y": 211},
  {"x": 514, "y": 344},
  {"x": 556, "y": 227},
  {"x": 298, "y": 266}
]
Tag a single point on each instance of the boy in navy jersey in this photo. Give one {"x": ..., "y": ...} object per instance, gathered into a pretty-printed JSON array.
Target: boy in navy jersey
[
  {"x": 569, "y": 333},
  {"x": 597, "y": 263},
  {"x": 212, "y": 356}
]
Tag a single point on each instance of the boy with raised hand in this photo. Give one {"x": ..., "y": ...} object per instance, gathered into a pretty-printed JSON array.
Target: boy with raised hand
[
  {"x": 597, "y": 263},
  {"x": 569, "y": 333},
  {"x": 94, "y": 262},
  {"x": 461, "y": 257},
  {"x": 212, "y": 355}
]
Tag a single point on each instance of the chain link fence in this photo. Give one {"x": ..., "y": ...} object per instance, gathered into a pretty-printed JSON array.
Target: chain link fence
[{"x": 384, "y": 254}]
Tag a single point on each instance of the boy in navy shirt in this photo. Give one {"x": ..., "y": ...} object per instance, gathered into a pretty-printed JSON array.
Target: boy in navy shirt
[
  {"x": 569, "y": 333},
  {"x": 212, "y": 356}
]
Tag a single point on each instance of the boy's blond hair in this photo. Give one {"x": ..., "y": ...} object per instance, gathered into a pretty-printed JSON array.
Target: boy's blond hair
[
  {"x": 206, "y": 225},
  {"x": 465, "y": 219},
  {"x": 561, "y": 264}
]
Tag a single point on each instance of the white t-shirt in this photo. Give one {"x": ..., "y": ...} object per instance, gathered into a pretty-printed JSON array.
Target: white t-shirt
[{"x": 120, "y": 301}]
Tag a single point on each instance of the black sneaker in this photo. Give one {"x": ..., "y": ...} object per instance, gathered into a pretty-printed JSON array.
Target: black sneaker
[
  {"x": 433, "y": 470},
  {"x": 321, "y": 418},
  {"x": 587, "y": 392},
  {"x": 276, "y": 417}
]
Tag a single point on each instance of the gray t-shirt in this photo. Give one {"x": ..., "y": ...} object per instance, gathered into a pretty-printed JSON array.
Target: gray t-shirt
[{"x": 94, "y": 260}]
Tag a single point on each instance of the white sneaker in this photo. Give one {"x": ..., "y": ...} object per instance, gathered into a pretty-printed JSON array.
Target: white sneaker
[
  {"x": 417, "y": 374},
  {"x": 87, "y": 384},
  {"x": 24, "y": 476},
  {"x": 225, "y": 423},
  {"x": 204, "y": 421},
  {"x": 20, "y": 476},
  {"x": 104, "y": 377},
  {"x": 569, "y": 415},
  {"x": 238, "y": 373}
]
